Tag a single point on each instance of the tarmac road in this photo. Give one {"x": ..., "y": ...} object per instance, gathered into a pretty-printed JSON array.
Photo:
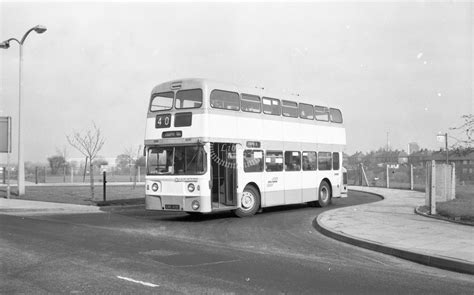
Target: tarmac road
[{"x": 130, "y": 250}]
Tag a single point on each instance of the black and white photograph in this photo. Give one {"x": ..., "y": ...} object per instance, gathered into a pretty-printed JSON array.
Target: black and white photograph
[{"x": 236, "y": 147}]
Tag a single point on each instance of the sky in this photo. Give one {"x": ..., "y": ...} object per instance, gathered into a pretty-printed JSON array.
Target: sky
[{"x": 402, "y": 69}]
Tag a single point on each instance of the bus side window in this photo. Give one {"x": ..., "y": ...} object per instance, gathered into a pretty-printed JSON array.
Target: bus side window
[
  {"x": 292, "y": 161},
  {"x": 253, "y": 160},
  {"x": 324, "y": 160},
  {"x": 336, "y": 115},
  {"x": 321, "y": 113},
  {"x": 310, "y": 161},
  {"x": 274, "y": 161}
]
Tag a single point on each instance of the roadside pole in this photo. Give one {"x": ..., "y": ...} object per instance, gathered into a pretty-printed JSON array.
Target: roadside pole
[
  {"x": 411, "y": 177},
  {"x": 433, "y": 188},
  {"x": 388, "y": 180},
  {"x": 8, "y": 175},
  {"x": 105, "y": 185}
]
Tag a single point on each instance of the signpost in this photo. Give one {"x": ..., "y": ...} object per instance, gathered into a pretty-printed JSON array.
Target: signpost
[{"x": 6, "y": 145}]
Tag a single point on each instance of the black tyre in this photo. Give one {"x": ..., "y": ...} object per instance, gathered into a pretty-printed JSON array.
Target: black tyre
[
  {"x": 324, "y": 195},
  {"x": 249, "y": 202}
]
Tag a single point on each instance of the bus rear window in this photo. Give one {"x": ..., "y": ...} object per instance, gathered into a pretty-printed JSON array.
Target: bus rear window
[
  {"x": 271, "y": 106},
  {"x": 289, "y": 108},
  {"x": 250, "y": 103},
  {"x": 188, "y": 99},
  {"x": 161, "y": 101},
  {"x": 225, "y": 100},
  {"x": 335, "y": 161},
  {"x": 336, "y": 115},
  {"x": 321, "y": 113}
]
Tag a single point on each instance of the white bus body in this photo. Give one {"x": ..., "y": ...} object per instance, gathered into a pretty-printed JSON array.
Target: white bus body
[{"x": 215, "y": 135}]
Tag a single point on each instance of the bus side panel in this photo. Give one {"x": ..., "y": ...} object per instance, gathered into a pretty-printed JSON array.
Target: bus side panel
[
  {"x": 309, "y": 186},
  {"x": 274, "y": 184}
]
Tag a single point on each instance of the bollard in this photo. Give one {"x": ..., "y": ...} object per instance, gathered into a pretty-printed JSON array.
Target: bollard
[
  {"x": 105, "y": 184},
  {"x": 433, "y": 188}
]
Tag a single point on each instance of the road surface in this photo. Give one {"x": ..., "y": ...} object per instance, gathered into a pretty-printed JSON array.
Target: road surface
[{"x": 130, "y": 250}]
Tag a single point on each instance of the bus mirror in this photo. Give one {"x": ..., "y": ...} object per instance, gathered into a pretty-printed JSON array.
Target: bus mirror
[{"x": 144, "y": 151}]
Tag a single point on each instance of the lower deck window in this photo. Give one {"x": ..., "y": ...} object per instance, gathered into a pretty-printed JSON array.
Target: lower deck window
[
  {"x": 292, "y": 161},
  {"x": 310, "y": 161},
  {"x": 274, "y": 161},
  {"x": 324, "y": 160},
  {"x": 253, "y": 161}
]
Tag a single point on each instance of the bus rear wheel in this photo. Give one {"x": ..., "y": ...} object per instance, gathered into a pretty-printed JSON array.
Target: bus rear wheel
[
  {"x": 324, "y": 195},
  {"x": 249, "y": 202}
]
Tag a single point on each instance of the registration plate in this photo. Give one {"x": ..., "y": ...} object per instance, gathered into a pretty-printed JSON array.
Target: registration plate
[{"x": 172, "y": 207}]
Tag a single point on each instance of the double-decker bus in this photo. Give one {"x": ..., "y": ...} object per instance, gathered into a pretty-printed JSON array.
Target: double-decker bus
[{"x": 214, "y": 146}]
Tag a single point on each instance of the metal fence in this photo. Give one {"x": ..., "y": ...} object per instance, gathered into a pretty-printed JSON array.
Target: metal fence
[
  {"x": 402, "y": 176},
  {"x": 44, "y": 174}
]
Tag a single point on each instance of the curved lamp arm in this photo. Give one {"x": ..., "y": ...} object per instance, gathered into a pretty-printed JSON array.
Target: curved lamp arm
[{"x": 38, "y": 29}]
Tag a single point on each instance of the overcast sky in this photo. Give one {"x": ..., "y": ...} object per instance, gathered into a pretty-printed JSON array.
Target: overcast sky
[{"x": 402, "y": 68}]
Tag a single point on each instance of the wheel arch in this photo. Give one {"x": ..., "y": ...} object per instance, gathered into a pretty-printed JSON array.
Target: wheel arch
[
  {"x": 255, "y": 186},
  {"x": 328, "y": 182}
]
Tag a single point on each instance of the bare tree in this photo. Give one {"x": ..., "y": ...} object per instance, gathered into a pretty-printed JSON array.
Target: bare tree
[
  {"x": 63, "y": 152},
  {"x": 468, "y": 129},
  {"x": 88, "y": 143},
  {"x": 129, "y": 153}
]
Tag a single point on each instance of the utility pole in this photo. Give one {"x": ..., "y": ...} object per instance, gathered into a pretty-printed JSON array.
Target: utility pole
[{"x": 446, "y": 145}]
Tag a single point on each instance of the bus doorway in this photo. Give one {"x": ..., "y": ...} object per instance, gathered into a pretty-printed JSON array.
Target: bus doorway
[{"x": 223, "y": 174}]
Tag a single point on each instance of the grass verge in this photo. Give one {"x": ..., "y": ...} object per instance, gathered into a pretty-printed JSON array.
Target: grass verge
[{"x": 80, "y": 195}]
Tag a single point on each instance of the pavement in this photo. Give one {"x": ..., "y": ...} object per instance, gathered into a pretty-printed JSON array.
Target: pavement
[
  {"x": 19, "y": 207},
  {"x": 391, "y": 226}
]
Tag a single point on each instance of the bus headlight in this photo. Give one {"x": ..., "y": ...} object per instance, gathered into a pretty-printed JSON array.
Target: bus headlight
[
  {"x": 195, "y": 204},
  {"x": 155, "y": 187},
  {"x": 191, "y": 188}
]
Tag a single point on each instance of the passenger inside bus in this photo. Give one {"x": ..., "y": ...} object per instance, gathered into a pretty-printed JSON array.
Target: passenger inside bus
[{"x": 179, "y": 160}]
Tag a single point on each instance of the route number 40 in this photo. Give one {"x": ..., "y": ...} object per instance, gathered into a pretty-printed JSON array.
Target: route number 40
[{"x": 163, "y": 121}]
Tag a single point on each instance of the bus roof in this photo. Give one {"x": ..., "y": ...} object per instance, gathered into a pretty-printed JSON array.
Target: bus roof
[{"x": 260, "y": 91}]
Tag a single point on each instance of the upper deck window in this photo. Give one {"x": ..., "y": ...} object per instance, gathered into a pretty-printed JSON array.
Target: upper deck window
[
  {"x": 306, "y": 111},
  {"x": 271, "y": 106},
  {"x": 188, "y": 99},
  {"x": 250, "y": 103},
  {"x": 161, "y": 101},
  {"x": 226, "y": 100},
  {"x": 321, "y": 113},
  {"x": 289, "y": 108},
  {"x": 336, "y": 115}
]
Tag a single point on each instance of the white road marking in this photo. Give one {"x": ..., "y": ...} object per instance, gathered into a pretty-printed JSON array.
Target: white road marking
[{"x": 138, "y": 282}]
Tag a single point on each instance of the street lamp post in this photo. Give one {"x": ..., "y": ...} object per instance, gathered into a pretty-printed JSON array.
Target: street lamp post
[
  {"x": 21, "y": 164},
  {"x": 444, "y": 137}
]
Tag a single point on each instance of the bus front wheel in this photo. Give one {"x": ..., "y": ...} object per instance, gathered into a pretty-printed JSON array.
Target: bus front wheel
[
  {"x": 324, "y": 195},
  {"x": 249, "y": 202}
]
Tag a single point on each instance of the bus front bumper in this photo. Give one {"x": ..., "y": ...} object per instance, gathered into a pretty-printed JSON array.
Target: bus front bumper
[{"x": 177, "y": 203}]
